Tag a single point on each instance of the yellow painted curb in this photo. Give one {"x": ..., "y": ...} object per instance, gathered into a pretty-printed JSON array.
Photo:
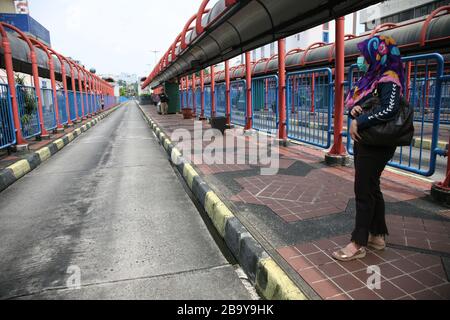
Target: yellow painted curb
[
  {"x": 166, "y": 144},
  {"x": 71, "y": 137},
  {"x": 44, "y": 154},
  {"x": 20, "y": 168},
  {"x": 189, "y": 174},
  {"x": 78, "y": 131},
  {"x": 274, "y": 284},
  {"x": 175, "y": 156},
  {"x": 59, "y": 144},
  {"x": 220, "y": 217}
]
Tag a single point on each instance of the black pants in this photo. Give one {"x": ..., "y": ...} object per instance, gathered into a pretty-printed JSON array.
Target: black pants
[{"x": 370, "y": 163}]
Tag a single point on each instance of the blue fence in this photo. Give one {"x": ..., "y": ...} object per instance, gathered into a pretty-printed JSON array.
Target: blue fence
[
  {"x": 310, "y": 106},
  {"x": 207, "y": 94},
  {"x": 61, "y": 96},
  {"x": 221, "y": 102},
  {"x": 198, "y": 100},
  {"x": 416, "y": 158},
  {"x": 72, "y": 109},
  {"x": 48, "y": 109},
  {"x": 238, "y": 100},
  {"x": 80, "y": 107},
  {"x": 7, "y": 131},
  {"x": 28, "y": 111},
  {"x": 265, "y": 104},
  {"x": 86, "y": 104},
  {"x": 190, "y": 99}
]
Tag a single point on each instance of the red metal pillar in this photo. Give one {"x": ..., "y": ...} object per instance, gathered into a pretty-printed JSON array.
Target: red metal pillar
[
  {"x": 35, "y": 73},
  {"x": 202, "y": 94},
  {"x": 64, "y": 78},
  {"x": 282, "y": 134},
  {"x": 86, "y": 94},
  {"x": 20, "y": 141},
  {"x": 313, "y": 93},
  {"x": 74, "y": 90},
  {"x": 37, "y": 87},
  {"x": 52, "y": 81},
  {"x": 182, "y": 92},
  {"x": 227, "y": 92},
  {"x": 408, "y": 80},
  {"x": 338, "y": 149},
  {"x": 194, "y": 96},
  {"x": 248, "y": 80},
  {"x": 213, "y": 92},
  {"x": 80, "y": 88}
]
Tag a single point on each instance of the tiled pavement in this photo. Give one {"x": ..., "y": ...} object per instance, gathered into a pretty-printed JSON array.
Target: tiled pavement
[{"x": 306, "y": 211}]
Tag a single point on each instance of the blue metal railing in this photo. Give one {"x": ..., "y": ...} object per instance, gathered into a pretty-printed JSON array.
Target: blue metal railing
[
  {"x": 80, "y": 107},
  {"x": 190, "y": 99},
  {"x": 265, "y": 104},
  {"x": 61, "y": 96},
  {"x": 198, "y": 100},
  {"x": 7, "y": 130},
  {"x": 238, "y": 101},
  {"x": 207, "y": 94},
  {"x": 48, "y": 109},
  {"x": 86, "y": 104},
  {"x": 310, "y": 106},
  {"x": 221, "y": 102},
  {"x": 420, "y": 157},
  {"x": 72, "y": 111},
  {"x": 28, "y": 111}
]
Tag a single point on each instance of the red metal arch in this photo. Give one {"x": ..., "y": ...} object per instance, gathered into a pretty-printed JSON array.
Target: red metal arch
[{"x": 35, "y": 72}]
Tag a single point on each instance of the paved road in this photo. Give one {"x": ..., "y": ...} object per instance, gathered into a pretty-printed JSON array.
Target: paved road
[{"x": 111, "y": 205}]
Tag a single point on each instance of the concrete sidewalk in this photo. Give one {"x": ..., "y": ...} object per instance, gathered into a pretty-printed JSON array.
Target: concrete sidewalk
[
  {"x": 307, "y": 210},
  {"x": 111, "y": 206}
]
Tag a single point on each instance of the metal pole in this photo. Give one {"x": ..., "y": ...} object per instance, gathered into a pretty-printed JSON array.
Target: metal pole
[
  {"x": 213, "y": 92},
  {"x": 248, "y": 80},
  {"x": 227, "y": 92},
  {"x": 194, "y": 94},
  {"x": 20, "y": 141},
  {"x": 282, "y": 135},
  {"x": 338, "y": 149},
  {"x": 202, "y": 94}
]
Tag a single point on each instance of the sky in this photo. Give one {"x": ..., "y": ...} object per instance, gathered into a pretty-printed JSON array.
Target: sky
[{"x": 113, "y": 36}]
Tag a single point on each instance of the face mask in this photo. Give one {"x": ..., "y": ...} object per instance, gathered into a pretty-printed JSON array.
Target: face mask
[{"x": 362, "y": 66}]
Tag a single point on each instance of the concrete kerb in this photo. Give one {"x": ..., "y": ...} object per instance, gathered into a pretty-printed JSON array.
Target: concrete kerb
[
  {"x": 267, "y": 276},
  {"x": 19, "y": 169}
]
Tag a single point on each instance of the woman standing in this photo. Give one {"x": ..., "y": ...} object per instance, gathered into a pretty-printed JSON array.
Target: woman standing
[{"x": 384, "y": 77}]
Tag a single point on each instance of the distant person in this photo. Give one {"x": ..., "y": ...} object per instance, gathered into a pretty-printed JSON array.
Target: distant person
[
  {"x": 103, "y": 103},
  {"x": 164, "y": 102}
]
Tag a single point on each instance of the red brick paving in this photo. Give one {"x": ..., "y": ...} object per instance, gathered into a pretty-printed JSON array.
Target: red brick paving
[
  {"x": 404, "y": 273},
  {"x": 419, "y": 233},
  {"x": 296, "y": 198}
]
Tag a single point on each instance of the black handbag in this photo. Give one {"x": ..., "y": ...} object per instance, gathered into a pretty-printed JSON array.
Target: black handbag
[{"x": 395, "y": 132}]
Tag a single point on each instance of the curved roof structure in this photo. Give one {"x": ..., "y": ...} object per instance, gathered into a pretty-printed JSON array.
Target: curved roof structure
[{"x": 232, "y": 27}]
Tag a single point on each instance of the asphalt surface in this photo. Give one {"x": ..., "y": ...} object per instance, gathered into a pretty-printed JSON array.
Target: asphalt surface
[{"x": 109, "y": 208}]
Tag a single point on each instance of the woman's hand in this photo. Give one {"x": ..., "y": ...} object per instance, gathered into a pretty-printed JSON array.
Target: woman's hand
[
  {"x": 356, "y": 111},
  {"x": 354, "y": 131}
]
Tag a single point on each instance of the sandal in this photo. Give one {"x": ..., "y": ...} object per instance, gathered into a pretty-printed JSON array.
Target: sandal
[
  {"x": 341, "y": 256},
  {"x": 376, "y": 246}
]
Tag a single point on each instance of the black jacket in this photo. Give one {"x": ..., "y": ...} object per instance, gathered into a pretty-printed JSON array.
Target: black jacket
[
  {"x": 389, "y": 94},
  {"x": 164, "y": 98}
]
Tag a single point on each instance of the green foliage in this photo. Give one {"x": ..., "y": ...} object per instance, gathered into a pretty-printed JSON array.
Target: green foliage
[{"x": 29, "y": 100}]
